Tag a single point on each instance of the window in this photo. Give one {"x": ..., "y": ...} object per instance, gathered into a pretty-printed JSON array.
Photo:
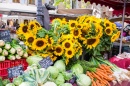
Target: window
[
  {"x": 32, "y": 2},
  {"x": 16, "y": 1}
]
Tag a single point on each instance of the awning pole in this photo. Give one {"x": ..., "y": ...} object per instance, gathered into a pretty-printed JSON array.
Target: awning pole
[{"x": 123, "y": 17}]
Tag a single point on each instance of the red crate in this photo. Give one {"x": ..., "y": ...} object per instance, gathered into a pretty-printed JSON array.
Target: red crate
[
  {"x": 5, "y": 64},
  {"x": 11, "y": 63}
]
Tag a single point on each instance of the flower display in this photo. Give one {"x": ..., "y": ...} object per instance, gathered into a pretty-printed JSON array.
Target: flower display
[{"x": 69, "y": 39}]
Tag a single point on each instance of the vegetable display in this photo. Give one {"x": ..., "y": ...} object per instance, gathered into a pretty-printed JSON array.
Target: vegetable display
[{"x": 66, "y": 43}]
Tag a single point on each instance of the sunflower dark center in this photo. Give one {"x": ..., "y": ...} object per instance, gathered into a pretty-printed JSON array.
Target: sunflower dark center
[
  {"x": 49, "y": 41},
  {"x": 30, "y": 39},
  {"x": 40, "y": 43},
  {"x": 83, "y": 34},
  {"x": 107, "y": 25},
  {"x": 79, "y": 26},
  {"x": 25, "y": 29},
  {"x": 73, "y": 24},
  {"x": 94, "y": 21},
  {"x": 37, "y": 24},
  {"x": 58, "y": 50},
  {"x": 88, "y": 21},
  {"x": 69, "y": 52},
  {"x": 76, "y": 32},
  {"x": 32, "y": 26},
  {"x": 108, "y": 30},
  {"x": 67, "y": 45},
  {"x": 91, "y": 41}
]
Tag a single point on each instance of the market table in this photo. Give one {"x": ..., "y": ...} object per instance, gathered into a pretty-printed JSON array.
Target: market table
[{"x": 122, "y": 63}]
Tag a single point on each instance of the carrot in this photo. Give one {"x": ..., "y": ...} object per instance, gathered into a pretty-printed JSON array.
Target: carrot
[
  {"x": 103, "y": 82},
  {"x": 105, "y": 76},
  {"x": 94, "y": 83},
  {"x": 96, "y": 76},
  {"x": 97, "y": 83},
  {"x": 89, "y": 74},
  {"x": 99, "y": 75}
]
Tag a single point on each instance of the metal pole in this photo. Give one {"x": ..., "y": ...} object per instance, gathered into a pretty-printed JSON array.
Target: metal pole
[
  {"x": 40, "y": 13},
  {"x": 123, "y": 17}
]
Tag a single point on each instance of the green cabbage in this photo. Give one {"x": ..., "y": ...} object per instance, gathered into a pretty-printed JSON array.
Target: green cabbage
[
  {"x": 66, "y": 84},
  {"x": 34, "y": 59},
  {"x": 10, "y": 84},
  {"x": 67, "y": 76},
  {"x": 53, "y": 71},
  {"x": 60, "y": 79},
  {"x": 83, "y": 80},
  {"x": 5, "y": 81},
  {"x": 60, "y": 65},
  {"x": 17, "y": 81},
  {"x": 77, "y": 69}
]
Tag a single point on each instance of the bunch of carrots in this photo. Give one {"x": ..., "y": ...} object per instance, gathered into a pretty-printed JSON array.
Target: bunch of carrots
[{"x": 102, "y": 76}]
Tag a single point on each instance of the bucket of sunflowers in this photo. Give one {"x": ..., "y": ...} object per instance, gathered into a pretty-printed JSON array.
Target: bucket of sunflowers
[{"x": 70, "y": 40}]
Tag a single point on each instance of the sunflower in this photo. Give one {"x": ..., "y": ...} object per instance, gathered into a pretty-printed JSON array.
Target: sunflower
[
  {"x": 113, "y": 38},
  {"x": 98, "y": 28},
  {"x": 23, "y": 29},
  {"x": 81, "y": 19},
  {"x": 114, "y": 26},
  {"x": 39, "y": 44},
  {"x": 88, "y": 20},
  {"x": 107, "y": 23},
  {"x": 29, "y": 39},
  {"x": 79, "y": 26},
  {"x": 86, "y": 26},
  {"x": 99, "y": 35},
  {"x": 118, "y": 34},
  {"x": 67, "y": 44},
  {"x": 63, "y": 21},
  {"x": 37, "y": 24},
  {"x": 56, "y": 21},
  {"x": 72, "y": 24},
  {"x": 50, "y": 41},
  {"x": 69, "y": 53},
  {"x": 31, "y": 25},
  {"x": 108, "y": 31},
  {"x": 58, "y": 50},
  {"x": 53, "y": 57},
  {"x": 76, "y": 33},
  {"x": 92, "y": 42}
]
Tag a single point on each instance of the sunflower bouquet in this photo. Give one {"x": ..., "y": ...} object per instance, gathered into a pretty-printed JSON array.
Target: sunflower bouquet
[
  {"x": 68, "y": 39},
  {"x": 97, "y": 35}
]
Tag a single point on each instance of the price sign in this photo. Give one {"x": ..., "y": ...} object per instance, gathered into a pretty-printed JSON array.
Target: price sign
[
  {"x": 15, "y": 71},
  {"x": 5, "y": 35},
  {"x": 45, "y": 63}
]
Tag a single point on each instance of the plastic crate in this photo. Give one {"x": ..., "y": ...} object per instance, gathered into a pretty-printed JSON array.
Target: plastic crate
[{"x": 8, "y": 64}]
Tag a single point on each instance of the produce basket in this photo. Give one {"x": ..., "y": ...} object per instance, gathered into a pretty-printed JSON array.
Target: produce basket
[{"x": 11, "y": 63}]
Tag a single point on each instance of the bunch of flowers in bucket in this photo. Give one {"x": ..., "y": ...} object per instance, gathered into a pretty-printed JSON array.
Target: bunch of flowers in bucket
[
  {"x": 68, "y": 39},
  {"x": 97, "y": 35}
]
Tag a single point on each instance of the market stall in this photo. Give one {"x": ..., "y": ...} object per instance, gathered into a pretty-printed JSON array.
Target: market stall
[{"x": 56, "y": 56}]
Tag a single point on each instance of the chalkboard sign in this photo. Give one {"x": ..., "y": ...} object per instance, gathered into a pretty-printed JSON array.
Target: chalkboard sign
[
  {"x": 45, "y": 63},
  {"x": 5, "y": 35},
  {"x": 15, "y": 71}
]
